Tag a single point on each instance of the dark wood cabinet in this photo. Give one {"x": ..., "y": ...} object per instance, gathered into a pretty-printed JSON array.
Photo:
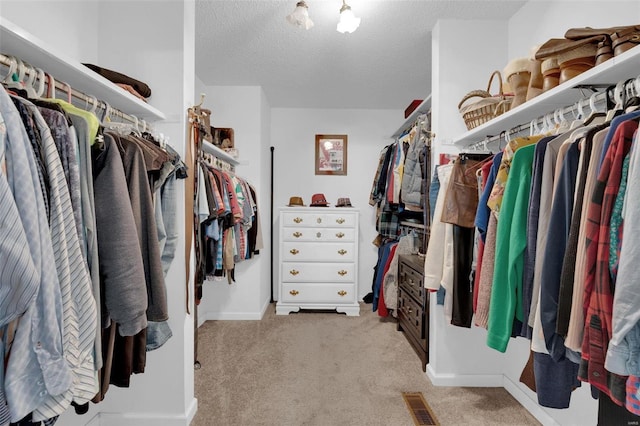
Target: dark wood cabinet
[{"x": 413, "y": 305}]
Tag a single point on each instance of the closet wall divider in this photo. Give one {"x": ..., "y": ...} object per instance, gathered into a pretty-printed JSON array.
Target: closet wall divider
[
  {"x": 164, "y": 394},
  {"x": 458, "y": 47}
]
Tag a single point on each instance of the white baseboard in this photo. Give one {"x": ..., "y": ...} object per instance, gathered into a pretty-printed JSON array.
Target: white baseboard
[
  {"x": 146, "y": 419},
  {"x": 233, "y": 316},
  {"x": 529, "y": 404},
  {"x": 465, "y": 380}
]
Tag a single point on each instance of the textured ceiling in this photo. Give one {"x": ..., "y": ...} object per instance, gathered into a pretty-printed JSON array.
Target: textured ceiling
[{"x": 384, "y": 64}]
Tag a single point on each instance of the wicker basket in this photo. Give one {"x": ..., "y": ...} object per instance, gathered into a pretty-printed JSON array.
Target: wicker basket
[{"x": 487, "y": 107}]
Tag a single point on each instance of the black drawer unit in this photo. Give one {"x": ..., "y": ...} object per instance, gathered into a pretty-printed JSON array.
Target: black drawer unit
[{"x": 413, "y": 305}]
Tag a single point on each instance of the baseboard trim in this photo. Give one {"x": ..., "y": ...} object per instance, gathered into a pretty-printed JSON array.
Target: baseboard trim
[
  {"x": 229, "y": 316},
  {"x": 234, "y": 316},
  {"x": 465, "y": 380},
  {"x": 529, "y": 404}
]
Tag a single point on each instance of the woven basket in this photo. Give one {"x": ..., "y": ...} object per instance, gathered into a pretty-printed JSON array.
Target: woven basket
[{"x": 487, "y": 107}]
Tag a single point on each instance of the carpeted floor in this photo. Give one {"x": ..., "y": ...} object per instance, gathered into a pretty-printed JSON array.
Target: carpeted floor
[{"x": 325, "y": 369}]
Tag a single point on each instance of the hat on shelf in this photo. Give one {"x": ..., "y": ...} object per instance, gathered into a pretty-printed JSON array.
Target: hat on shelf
[
  {"x": 318, "y": 200},
  {"x": 295, "y": 201},
  {"x": 344, "y": 202}
]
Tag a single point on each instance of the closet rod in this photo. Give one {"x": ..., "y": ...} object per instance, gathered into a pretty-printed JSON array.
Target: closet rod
[
  {"x": 574, "y": 109},
  {"x": 89, "y": 101}
]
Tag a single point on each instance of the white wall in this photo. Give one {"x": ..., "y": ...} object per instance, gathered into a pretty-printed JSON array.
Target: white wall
[
  {"x": 525, "y": 30},
  {"x": 461, "y": 62},
  {"x": 57, "y": 23},
  {"x": 152, "y": 42},
  {"x": 264, "y": 204},
  {"x": 244, "y": 109},
  {"x": 293, "y": 136}
]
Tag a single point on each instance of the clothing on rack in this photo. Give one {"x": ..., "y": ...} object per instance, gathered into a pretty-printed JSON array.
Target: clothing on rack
[
  {"x": 73, "y": 230},
  {"x": 559, "y": 257}
]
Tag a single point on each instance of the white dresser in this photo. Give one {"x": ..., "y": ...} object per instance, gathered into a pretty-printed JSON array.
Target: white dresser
[{"x": 318, "y": 259}]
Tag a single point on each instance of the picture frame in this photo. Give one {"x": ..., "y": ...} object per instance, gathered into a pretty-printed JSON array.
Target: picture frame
[{"x": 331, "y": 155}]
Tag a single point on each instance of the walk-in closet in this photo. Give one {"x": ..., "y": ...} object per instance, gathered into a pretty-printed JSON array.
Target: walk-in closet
[{"x": 232, "y": 213}]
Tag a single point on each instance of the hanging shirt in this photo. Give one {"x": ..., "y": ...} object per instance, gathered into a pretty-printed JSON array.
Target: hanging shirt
[
  {"x": 506, "y": 292},
  {"x": 33, "y": 372},
  {"x": 598, "y": 296}
]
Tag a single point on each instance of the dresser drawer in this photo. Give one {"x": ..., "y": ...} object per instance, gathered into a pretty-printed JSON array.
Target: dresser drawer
[
  {"x": 318, "y": 272},
  {"x": 411, "y": 281},
  {"x": 318, "y": 234},
  {"x": 316, "y": 219},
  {"x": 410, "y": 315},
  {"x": 318, "y": 293},
  {"x": 314, "y": 252}
]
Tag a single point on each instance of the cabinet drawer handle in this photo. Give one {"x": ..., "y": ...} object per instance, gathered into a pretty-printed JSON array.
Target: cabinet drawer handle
[
  {"x": 294, "y": 292},
  {"x": 294, "y": 272},
  {"x": 339, "y": 235},
  {"x": 297, "y": 220},
  {"x": 342, "y": 293},
  {"x": 342, "y": 273},
  {"x": 297, "y": 234},
  {"x": 318, "y": 234},
  {"x": 340, "y": 221},
  {"x": 294, "y": 251},
  {"x": 342, "y": 252},
  {"x": 319, "y": 220}
]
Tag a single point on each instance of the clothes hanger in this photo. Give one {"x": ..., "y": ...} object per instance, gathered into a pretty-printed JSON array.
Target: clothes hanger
[
  {"x": 632, "y": 102},
  {"x": 618, "y": 97},
  {"x": 28, "y": 85},
  {"x": 13, "y": 66},
  {"x": 579, "y": 117},
  {"x": 51, "y": 86},
  {"x": 15, "y": 81},
  {"x": 562, "y": 125},
  {"x": 595, "y": 116},
  {"x": 41, "y": 83}
]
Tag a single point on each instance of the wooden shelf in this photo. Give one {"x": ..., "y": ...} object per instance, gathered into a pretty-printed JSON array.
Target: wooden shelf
[
  {"x": 421, "y": 109},
  {"x": 17, "y": 42},
  {"x": 617, "y": 69}
]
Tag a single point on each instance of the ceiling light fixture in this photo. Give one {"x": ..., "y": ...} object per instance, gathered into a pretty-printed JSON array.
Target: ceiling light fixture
[
  {"x": 300, "y": 16},
  {"x": 348, "y": 22}
]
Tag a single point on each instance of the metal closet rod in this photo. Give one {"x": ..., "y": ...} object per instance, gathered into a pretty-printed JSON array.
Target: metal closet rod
[
  {"x": 594, "y": 99},
  {"x": 90, "y": 101}
]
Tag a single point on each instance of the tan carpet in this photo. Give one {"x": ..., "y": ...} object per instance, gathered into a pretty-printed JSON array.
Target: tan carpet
[{"x": 325, "y": 369}]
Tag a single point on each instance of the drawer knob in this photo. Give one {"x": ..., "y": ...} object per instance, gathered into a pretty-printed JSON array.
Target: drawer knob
[
  {"x": 297, "y": 234},
  {"x": 342, "y": 273},
  {"x": 297, "y": 220},
  {"x": 342, "y": 252},
  {"x": 319, "y": 234},
  {"x": 294, "y": 251},
  {"x": 294, "y": 272},
  {"x": 339, "y": 235},
  {"x": 294, "y": 292},
  {"x": 340, "y": 221},
  {"x": 342, "y": 293},
  {"x": 319, "y": 220}
]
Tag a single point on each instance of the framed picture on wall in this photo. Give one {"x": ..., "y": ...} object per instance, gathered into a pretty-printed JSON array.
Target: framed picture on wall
[{"x": 331, "y": 154}]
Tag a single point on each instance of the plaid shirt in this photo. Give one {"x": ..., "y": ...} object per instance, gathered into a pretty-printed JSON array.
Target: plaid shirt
[{"x": 598, "y": 292}]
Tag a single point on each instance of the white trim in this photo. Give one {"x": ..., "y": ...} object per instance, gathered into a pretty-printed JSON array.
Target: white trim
[
  {"x": 139, "y": 419},
  {"x": 465, "y": 380}
]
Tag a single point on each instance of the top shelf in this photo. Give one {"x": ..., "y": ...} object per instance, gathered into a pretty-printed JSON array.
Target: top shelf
[
  {"x": 421, "y": 109},
  {"x": 15, "y": 41},
  {"x": 618, "y": 68},
  {"x": 219, "y": 153}
]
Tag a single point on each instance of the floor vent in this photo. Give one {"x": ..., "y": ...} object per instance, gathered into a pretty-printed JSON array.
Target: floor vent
[{"x": 420, "y": 410}]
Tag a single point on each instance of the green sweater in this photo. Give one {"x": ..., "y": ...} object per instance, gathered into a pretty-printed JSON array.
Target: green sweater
[{"x": 511, "y": 241}]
